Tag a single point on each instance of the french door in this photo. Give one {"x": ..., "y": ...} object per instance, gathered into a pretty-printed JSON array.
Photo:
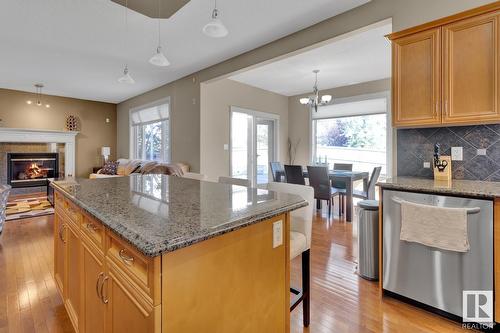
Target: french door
[{"x": 253, "y": 144}]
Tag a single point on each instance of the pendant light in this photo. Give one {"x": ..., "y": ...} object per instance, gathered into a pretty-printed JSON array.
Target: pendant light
[
  {"x": 126, "y": 78},
  {"x": 38, "y": 101},
  {"x": 215, "y": 28},
  {"x": 159, "y": 59}
]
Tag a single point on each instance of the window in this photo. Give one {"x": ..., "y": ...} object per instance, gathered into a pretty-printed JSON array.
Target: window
[
  {"x": 354, "y": 131},
  {"x": 150, "y": 132}
]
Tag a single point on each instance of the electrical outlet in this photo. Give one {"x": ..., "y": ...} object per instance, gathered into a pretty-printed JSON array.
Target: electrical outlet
[
  {"x": 277, "y": 233},
  {"x": 481, "y": 151},
  {"x": 427, "y": 165},
  {"x": 457, "y": 154}
]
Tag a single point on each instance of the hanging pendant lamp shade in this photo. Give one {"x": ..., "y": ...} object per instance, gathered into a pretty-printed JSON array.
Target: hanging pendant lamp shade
[
  {"x": 159, "y": 59},
  {"x": 126, "y": 78},
  {"x": 215, "y": 28}
]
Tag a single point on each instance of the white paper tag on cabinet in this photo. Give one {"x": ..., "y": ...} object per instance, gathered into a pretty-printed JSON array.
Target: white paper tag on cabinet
[{"x": 277, "y": 233}]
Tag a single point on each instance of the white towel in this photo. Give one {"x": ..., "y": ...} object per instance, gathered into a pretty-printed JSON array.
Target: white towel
[{"x": 443, "y": 228}]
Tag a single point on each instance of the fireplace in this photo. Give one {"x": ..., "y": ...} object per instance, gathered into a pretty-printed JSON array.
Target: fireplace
[{"x": 31, "y": 169}]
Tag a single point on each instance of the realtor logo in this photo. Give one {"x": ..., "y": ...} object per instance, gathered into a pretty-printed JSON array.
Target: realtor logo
[{"x": 477, "y": 306}]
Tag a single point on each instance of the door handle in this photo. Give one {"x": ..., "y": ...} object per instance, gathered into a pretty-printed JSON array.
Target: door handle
[
  {"x": 98, "y": 285},
  {"x": 104, "y": 298}
]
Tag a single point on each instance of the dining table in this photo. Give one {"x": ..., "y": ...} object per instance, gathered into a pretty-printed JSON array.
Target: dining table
[{"x": 349, "y": 177}]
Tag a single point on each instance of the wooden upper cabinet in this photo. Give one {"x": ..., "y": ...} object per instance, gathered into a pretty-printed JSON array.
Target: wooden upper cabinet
[
  {"x": 416, "y": 79},
  {"x": 470, "y": 70}
]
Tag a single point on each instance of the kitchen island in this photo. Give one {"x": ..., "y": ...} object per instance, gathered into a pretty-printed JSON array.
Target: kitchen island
[
  {"x": 152, "y": 253},
  {"x": 426, "y": 273}
]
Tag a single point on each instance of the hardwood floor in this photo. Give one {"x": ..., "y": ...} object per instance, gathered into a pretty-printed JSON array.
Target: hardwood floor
[{"x": 340, "y": 300}]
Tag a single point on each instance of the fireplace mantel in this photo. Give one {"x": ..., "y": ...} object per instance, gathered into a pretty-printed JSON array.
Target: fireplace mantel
[{"x": 45, "y": 136}]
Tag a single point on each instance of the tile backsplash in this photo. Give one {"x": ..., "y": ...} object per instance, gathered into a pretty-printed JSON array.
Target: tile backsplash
[{"x": 416, "y": 146}]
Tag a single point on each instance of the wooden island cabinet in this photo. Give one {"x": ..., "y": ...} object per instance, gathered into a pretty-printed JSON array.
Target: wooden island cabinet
[
  {"x": 237, "y": 281},
  {"x": 446, "y": 72}
]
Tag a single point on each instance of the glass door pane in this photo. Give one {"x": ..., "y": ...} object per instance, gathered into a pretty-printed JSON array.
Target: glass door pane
[
  {"x": 241, "y": 145},
  {"x": 264, "y": 149}
]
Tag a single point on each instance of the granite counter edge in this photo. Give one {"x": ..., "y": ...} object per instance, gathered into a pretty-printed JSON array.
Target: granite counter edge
[
  {"x": 154, "y": 250},
  {"x": 434, "y": 190}
]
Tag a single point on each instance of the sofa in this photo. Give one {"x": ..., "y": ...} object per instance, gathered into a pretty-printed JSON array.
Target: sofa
[{"x": 129, "y": 166}]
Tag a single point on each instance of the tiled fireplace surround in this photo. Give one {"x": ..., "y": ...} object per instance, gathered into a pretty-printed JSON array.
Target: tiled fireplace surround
[
  {"x": 416, "y": 146},
  {"x": 11, "y": 147}
]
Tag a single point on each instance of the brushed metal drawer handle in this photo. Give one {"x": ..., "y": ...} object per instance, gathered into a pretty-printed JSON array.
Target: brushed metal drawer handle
[
  {"x": 129, "y": 260},
  {"x": 98, "y": 285},
  {"x": 91, "y": 226}
]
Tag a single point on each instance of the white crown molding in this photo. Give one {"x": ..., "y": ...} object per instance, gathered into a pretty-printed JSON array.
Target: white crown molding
[{"x": 45, "y": 136}]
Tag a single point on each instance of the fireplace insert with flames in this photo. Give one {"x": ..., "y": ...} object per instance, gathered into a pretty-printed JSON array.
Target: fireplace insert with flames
[{"x": 31, "y": 169}]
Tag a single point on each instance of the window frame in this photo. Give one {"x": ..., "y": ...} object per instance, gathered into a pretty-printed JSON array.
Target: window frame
[
  {"x": 357, "y": 98},
  {"x": 166, "y": 150}
]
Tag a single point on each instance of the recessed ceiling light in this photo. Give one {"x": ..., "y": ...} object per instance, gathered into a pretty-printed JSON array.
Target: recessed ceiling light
[
  {"x": 47, "y": 105},
  {"x": 29, "y": 102}
]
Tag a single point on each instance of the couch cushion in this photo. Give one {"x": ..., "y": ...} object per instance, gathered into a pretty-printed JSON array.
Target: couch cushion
[{"x": 126, "y": 167}]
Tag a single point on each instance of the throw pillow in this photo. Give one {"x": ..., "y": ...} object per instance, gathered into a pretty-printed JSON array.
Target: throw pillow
[{"x": 109, "y": 168}]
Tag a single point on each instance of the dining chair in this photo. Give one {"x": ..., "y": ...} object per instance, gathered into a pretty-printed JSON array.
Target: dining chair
[
  {"x": 234, "y": 181},
  {"x": 4, "y": 195},
  {"x": 320, "y": 181},
  {"x": 277, "y": 171},
  {"x": 370, "y": 190},
  {"x": 294, "y": 174},
  {"x": 300, "y": 241},
  {"x": 340, "y": 185},
  {"x": 193, "y": 175}
]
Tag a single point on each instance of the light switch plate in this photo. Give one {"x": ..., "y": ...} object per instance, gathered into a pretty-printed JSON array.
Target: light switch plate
[
  {"x": 226, "y": 146},
  {"x": 481, "y": 151},
  {"x": 457, "y": 154},
  {"x": 277, "y": 233},
  {"x": 427, "y": 165}
]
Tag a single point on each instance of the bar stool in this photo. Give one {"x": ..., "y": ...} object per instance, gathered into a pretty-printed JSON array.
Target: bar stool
[{"x": 300, "y": 241}]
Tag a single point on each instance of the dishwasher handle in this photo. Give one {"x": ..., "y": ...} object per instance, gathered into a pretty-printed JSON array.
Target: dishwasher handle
[{"x": 470, "y": 211}]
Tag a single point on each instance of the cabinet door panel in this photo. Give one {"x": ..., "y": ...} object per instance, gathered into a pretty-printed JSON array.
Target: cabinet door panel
[
  {"x": 59, "y": 252},
  {"x": 471, "y": 86},
  {"x": 73, "y": 287},
  {"x": 127, "y": 312},
  {"x": 416, "y": 79},
  {"x": 93, "y": 309}
]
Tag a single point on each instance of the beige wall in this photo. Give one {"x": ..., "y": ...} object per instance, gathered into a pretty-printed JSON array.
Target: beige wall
[
  {"x": 185, "y": 93},
  {"x": 216, "y": 99},
  {"x": 94, "y": 134},
  {"x": 299, "y": 127}
]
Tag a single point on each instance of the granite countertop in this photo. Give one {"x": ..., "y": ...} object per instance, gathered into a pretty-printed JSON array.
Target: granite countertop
[
  {"x": 468, "y": 188},
  {"x": 158, "y": 213}
]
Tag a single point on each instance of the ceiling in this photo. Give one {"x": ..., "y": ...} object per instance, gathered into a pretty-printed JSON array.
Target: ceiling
[
  {"x": 77, "y": 49},
  {"x": 360, "y": 57}
]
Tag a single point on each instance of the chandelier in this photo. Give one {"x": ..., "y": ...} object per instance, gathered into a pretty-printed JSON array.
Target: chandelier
[
  {"x": 314, "y": 100},
  {"x": 38, "y": 101}
]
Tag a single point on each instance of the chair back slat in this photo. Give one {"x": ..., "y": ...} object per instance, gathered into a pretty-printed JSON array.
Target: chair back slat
[
  {"x": 373, "y": 180},
  {"x": 320, "y": 181},
  {"x": 277, "y": 171},
  {"x": 294, "y": 174},
  {"x": 340, "y": 184}
]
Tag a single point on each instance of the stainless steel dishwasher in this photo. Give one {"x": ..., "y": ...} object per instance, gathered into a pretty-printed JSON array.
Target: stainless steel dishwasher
[{"x": 433, "y": 276}]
